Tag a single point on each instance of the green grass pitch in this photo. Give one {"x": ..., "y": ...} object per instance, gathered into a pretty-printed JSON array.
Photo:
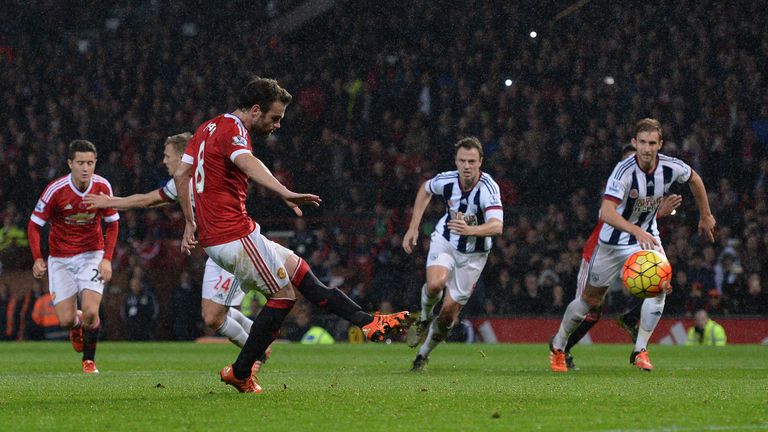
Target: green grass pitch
[{"x": 363, "y": 388}]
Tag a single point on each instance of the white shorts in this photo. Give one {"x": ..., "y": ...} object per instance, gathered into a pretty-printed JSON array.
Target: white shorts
[
  {"x": 605, "y": 265},
  {"x": 69, "y": 276},
  {"x": 583, "y": 277},
  {"x": 257, "y": 262},
  {"x": 221, "y": 286},
  {"x": 464, "y": 269}
]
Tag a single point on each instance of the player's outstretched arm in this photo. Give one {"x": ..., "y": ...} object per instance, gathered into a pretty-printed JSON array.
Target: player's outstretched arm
[
  {"x": 259, "y": 173},
  {"x": 609, "y": 215},
  {"x": 668, "y": 205},
  {"x": 419, "y": 207},
  {"x": 181, "y": 179},
  {"x": 706, "y": 219},
  {"x": 145, "y": 200}
]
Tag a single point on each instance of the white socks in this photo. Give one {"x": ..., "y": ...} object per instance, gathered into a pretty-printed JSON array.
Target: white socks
[
  {"x": 573, "y": 316},
  {"x": 437, "y": 334},
  {"x": 428, "y": 303},
  {"x": 234, "y": 327},
  {"x": 243, "y": 320},
  {"x": 650, "y": 314}
]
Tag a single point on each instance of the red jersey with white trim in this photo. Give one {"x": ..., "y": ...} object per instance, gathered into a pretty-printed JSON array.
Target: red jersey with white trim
[
  {"x": 74, "y": 228},
  {"x": 219, "y": 185}
]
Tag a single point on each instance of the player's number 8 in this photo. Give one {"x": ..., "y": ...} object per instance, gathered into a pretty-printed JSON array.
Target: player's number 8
[{"x": 199, "y": 172}]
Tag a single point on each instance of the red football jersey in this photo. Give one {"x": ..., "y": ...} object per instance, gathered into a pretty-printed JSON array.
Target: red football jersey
[
  {"x": 219, "y": 185},
  {"x": 74, "y": 228}
]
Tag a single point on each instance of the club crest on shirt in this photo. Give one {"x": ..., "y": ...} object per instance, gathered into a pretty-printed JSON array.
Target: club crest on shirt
[
  {"x": 238, "y": 140},
  {"x": 281, "y": 273},
  {"x": 633, "y": 193}
]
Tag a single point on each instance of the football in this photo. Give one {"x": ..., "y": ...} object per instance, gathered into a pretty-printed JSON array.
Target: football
[{"x": 646, "y": 273}]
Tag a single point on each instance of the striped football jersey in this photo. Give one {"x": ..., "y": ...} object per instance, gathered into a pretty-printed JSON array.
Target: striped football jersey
[
  {"x": 480, "y": 203},
  {"x": 639, "y": 194}
]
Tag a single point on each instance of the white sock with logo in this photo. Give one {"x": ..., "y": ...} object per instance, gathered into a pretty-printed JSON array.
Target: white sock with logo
[{"x": 650, "y": 315}]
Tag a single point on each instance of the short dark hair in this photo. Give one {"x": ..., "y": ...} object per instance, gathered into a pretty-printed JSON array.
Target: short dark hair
[
  {"x": 179, "y": 141},
  {"x": 262, "y": 92},
  {"x": 648, "y": 125},
  {"x": 470, "y": 143},
  {"x": 83, "y": 146}
]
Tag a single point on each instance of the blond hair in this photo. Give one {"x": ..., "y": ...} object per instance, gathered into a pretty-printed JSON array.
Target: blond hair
[{"x": 179, "y": 141}]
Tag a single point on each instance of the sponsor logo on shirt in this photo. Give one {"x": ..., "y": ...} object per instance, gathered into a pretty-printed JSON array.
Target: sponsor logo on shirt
[
  {"x": 239, "y": 141},
  {"x": 68, "y": 207}
]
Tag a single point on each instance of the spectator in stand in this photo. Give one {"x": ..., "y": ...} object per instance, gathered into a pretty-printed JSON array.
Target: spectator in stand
[
  {"x": 185, "y": 302},
  {"x": 7, "y": 306},
  {"x": 139, "y": 311}
]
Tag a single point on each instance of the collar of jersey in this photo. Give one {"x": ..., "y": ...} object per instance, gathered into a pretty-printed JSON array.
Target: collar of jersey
[{"x": 74, "y": 188}]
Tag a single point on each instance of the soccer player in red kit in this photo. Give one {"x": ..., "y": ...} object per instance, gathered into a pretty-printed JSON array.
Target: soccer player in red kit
[
  {"x": 220, "y": 163},
  {"x": 221, "y": 292},
  {"x": 79, "y": 261}
]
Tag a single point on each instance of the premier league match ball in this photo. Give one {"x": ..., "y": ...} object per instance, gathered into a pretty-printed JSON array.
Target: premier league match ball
[{"x": 646, "y": 273}]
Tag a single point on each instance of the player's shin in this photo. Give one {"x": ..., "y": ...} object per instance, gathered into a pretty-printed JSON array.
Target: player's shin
[
  {"x": 650, "y": 315},
  {"x": 574, "y": 315},
  {"x": 589, "y": 321},
  {"x": 90, "y": 339},
  {"x": 333, "y": 300},
  {"x": 265, "y": 329},
  {"x": 438, "y": 331}
]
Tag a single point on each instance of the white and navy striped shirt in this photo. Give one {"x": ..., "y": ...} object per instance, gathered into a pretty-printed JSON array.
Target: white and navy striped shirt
[
  {"x": 169, "y": 193},
  {"x": 639, "y": 194},
  {"x": 478, "y": 205}
]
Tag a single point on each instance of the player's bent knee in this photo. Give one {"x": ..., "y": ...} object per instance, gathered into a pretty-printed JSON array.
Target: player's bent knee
[
  {"x": 214, "y": 320},
  {"x": 435, "y": 287}
]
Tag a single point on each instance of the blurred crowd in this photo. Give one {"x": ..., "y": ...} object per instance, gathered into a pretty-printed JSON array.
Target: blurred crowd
[{"x": 381, "y": 93}]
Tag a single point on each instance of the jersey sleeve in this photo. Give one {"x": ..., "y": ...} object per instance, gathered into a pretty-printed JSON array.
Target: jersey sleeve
[
  {"x": 189, "y": 153},
  {"x": 616, "y": 188},
  {"x": 435, "y": 184},
  {"x": 234, "y": 140},
  {"x": 490, "y": 200},
  {"x": 42, "y": 212},
  {"x": 681, "y": 171},
  {"x": 110, "y": 214},
  {"x": 168, "y": 192}
]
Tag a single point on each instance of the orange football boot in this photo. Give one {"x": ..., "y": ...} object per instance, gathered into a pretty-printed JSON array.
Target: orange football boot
[
  {"x": 557, "y": 361},
  {"x": 641, "y": 360},
  {"x": 242, "y": 385},
  {"x": 89, "y": 367},
  {"x": 386, "y": 325}
]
